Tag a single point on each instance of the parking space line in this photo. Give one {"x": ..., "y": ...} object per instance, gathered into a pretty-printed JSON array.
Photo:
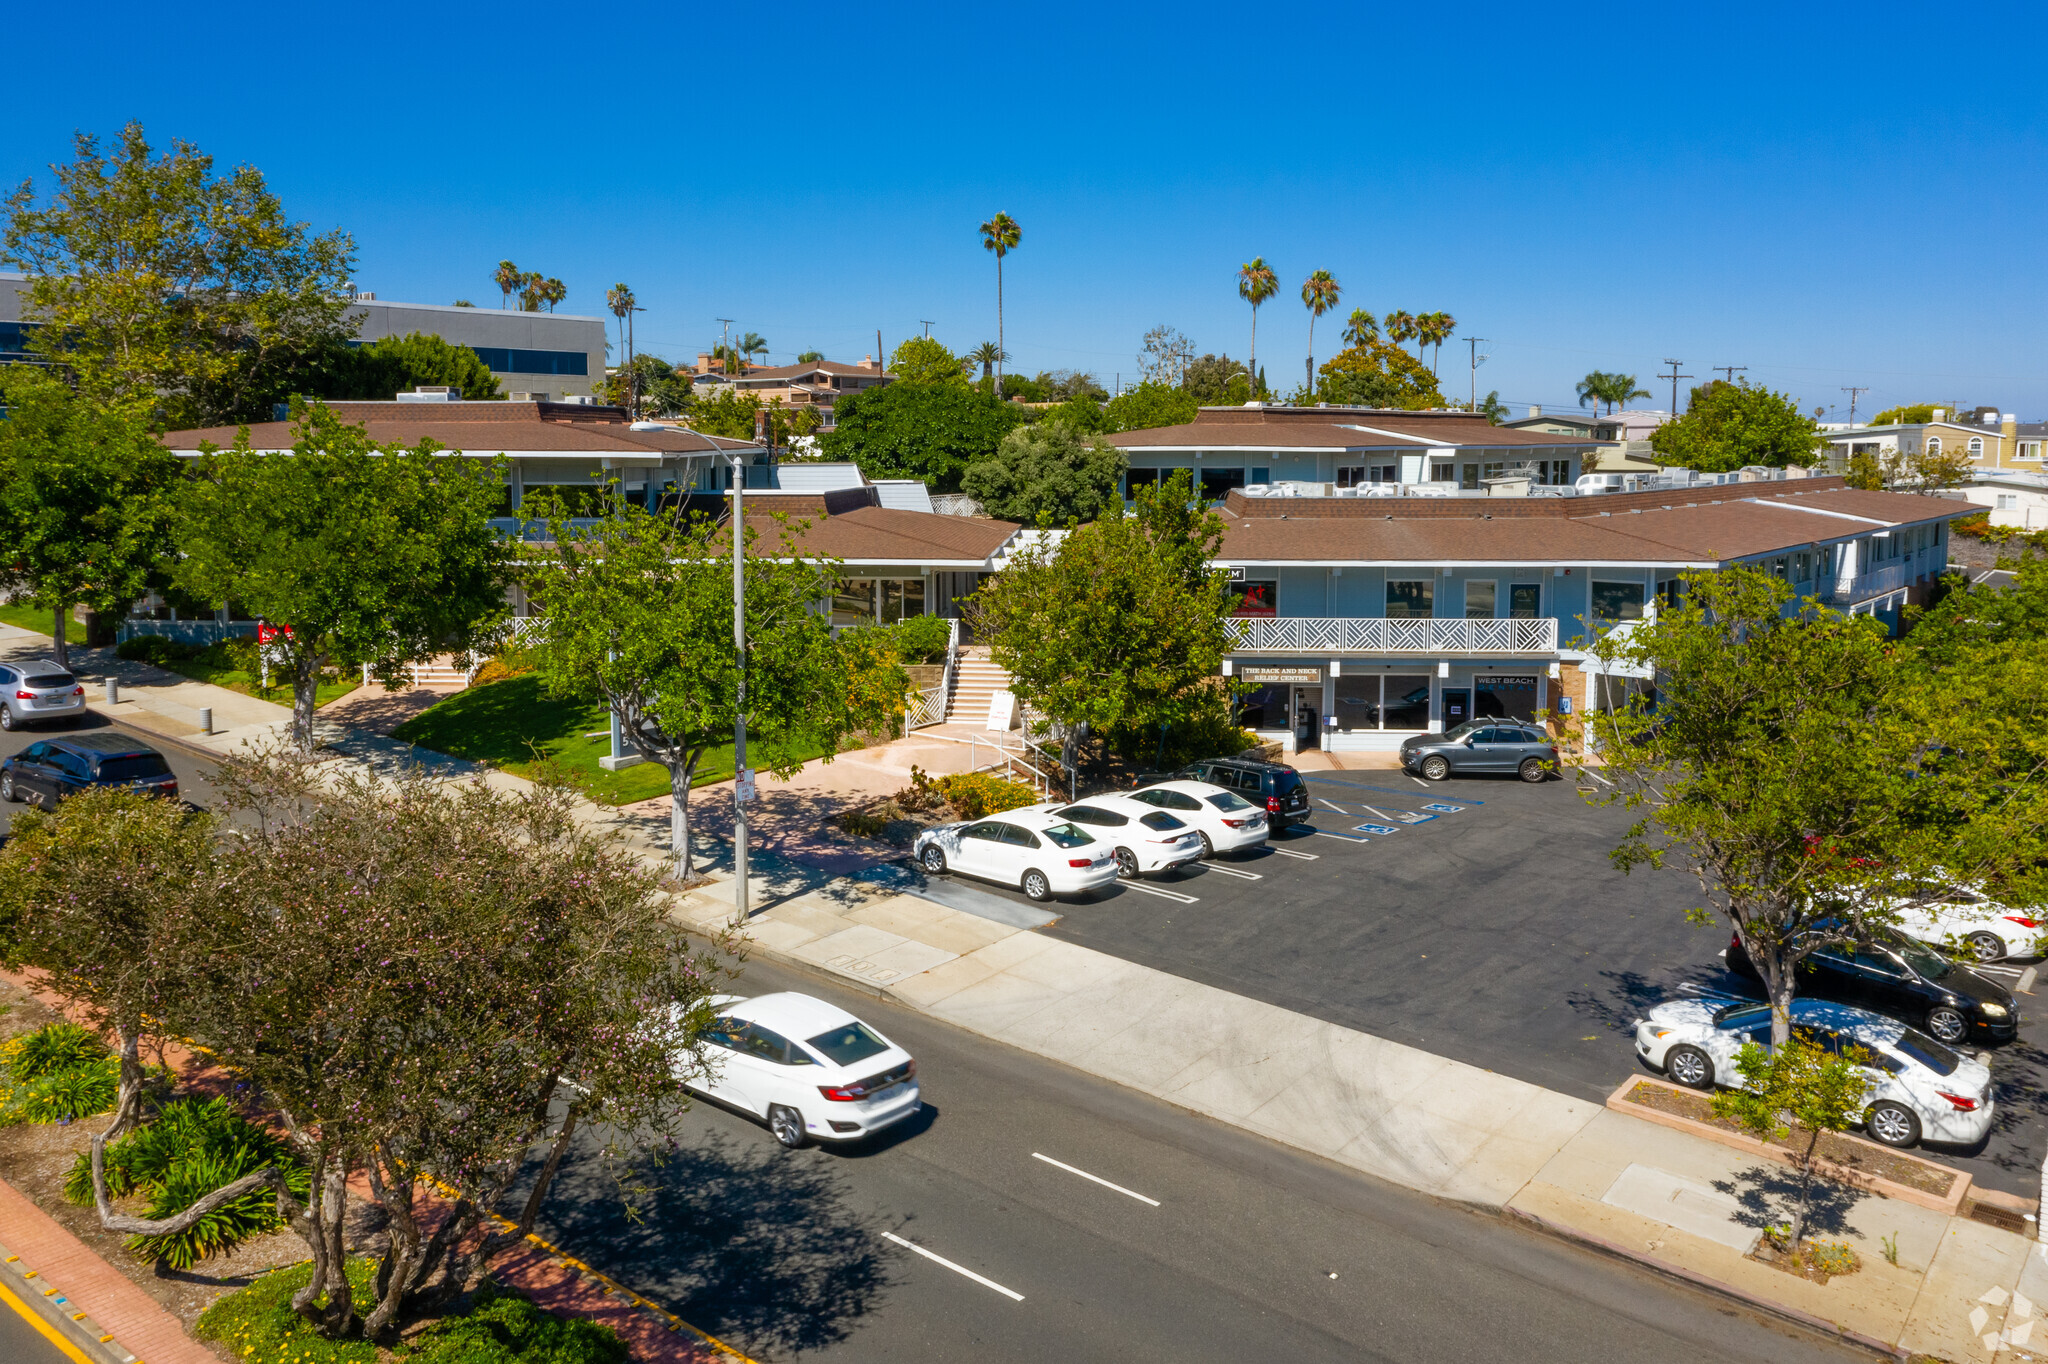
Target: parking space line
[
  {"x": 1233, "y": 871},
  {"x": 1596, "y": 776},
  {"x": 1162, "y": 894},
  {"x": 1338, "y": 808},
  {"x": 1096, "y": 1178},
  {"x": 1420, "y": 782},
  {"x": 1362, "y": 786},
  {"x": 961, "y": 1270},
  {"x": 1289, "y": 852},
  {"x": 1342, "y": 838}
]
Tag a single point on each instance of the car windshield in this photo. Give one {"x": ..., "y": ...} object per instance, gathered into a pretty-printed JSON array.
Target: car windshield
[
  {"x": 1928, "y": 1052},
  {"x": 1229, "y": 800},
  {"x": 138, "y": 767},
  {"x": 848, "y": 1044},
  {"x": 1067, "y": 835},
  {"x": 1738, "y": 1016},
  {"x": 1930, "y": 964}
]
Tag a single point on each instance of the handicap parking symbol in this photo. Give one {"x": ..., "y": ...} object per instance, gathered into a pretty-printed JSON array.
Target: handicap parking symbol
[
  {"x": 1410, "y": 817},
  {"x": 1375, "y": 829},
  {"x": 1444, "y": 809}
]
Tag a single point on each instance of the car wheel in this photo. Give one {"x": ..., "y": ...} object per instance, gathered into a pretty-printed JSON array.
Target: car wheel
[
  {"x": 1948, "y": 1024},
  {"x": 788, "y": 1126},
  {"x": 1892, "y": 1124},
  {"x": 1436, "y": 767},
  {"x": 7, "y": 791},
  {"x": 934, "y": 859},
  {"x": 1208, "y": 848},
  {"x": 1036, "y": 887},
  {"x": 1985, "y": 946},
  {"x": 7, "y": 720},
  {"x": 1126, "y": 864},
  {"x": 1690, "y": 1067},
  {"x": 1532, "y": 769}
]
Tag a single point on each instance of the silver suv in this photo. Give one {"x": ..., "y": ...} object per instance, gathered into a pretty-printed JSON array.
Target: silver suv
[{"x": 33, "y": 692}]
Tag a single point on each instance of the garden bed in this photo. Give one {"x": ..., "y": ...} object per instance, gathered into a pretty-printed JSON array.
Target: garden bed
[
  {"x": 1842, "y": 1158},
  {"x": 897, "y": 820}
]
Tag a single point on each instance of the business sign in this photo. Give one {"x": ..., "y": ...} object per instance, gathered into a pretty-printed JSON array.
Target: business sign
[
  {"x": 1505, "y": 682},
  {"x": 1002, "y": 712},
  {"x": 1270, "y": 676}
]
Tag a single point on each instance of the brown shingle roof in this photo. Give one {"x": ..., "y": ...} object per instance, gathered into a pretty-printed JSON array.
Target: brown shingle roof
[
  {"x": 482, "y": 428},
  {"x": 892, "y": 535},
  {"x": 1332, "y": 428}
]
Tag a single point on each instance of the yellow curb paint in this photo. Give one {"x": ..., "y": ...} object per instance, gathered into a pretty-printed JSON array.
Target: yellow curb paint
[{"x": 49, "y": 1332}]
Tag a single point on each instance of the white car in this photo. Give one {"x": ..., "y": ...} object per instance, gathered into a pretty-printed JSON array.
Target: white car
[
  {"x": 1964, "y": 920},
  {"x": 1919, "y": 1089},
  {"x": 808, "y": 1068},
  {"x": 1226, "y": 821},
  {"x": 31, "y": 693},
  {"x": 1040, "y": 853},
  {"x": 1146, "y": 839}
]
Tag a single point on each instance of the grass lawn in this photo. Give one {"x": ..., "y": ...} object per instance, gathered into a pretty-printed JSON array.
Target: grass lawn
[
  {"x": 209, "y": 668},
  {"x": 36, "y": 619},
  {"x": 514, "y": 725}
]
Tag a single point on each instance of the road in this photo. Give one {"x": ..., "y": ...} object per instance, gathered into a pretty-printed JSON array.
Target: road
[
  {"x": 192, "y": 773},
  {"x": 24, "y": 1339},
  {"x": 1253, "y": 1250}
]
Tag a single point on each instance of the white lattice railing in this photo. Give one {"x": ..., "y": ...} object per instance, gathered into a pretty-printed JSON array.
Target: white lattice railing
[
  {"x": 927, "y": 707},
  {"x": 1394, "y": 635}
]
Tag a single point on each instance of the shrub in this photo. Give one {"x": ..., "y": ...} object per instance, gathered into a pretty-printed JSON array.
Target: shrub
[
  {"x": 922, "y": 639},
  {"x": 502, "y": 1327},
  {"x": 156, "y": 649},
  {"x": 976, "y": 794},
  {"x": 54, "y": 1047},
  {"x": 55, "y": 1074},
  {"x": 258, "y": 1322}
]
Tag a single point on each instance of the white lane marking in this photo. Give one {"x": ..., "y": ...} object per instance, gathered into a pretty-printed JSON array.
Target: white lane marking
[
  {"x": 1688, "y": 987},
  {"x": 1338, "y": 808},
  {"x": 1097, "y": 1178},
  {"x": 1233, "y": 871},
  {"x": 1011, "y": 1294},
  {"x": 1419, "y": 782},
  {"x": 1342, "y": 838},
  {"x": 1162, "y": 894},
  {"x": 1289, "y": 852},
  {"x": 1381, "y": 813},
  {"x": 1596, "y": 776}
]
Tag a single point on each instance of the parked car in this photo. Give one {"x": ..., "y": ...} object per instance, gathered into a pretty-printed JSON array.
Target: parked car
[
  {"x": 1143, "y": 838},
  {"x": 1482, "y": 746},
  {"x": 1919, "y": 1089},
  {"x": 1226, "y": 821},
  {"x": 50, "y": 770},
  {"x": 1275, "y": 786},
  {"x": 1902, "y": 979},
  {"x": 1040, "y": 853},
  {"x": 809, "y": 1069},
  {"x": 31, "y": 693},
  {"x": 1967, "y": 922}
]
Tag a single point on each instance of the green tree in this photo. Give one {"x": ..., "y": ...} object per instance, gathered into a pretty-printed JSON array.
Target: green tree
[
  {"x": 1361, "y": 327},
  {"x": 988, "y": 354},
  {"x": 1912, "y": 414},
  {"x": 1800, "y": 1079},
  {"x": 1377, "y": 374},
  {"x": 382, "y": 369},
  {"x": 810, "y": 357},
  {"x": 640, "y": 612},
  {"x": 1492, "y": 408},
  {"x": 1120, "y": 624},
  {"x": 921, "y": 360},
  {"x": 510, "y": 280},
  {"x": 154, "y": 281},
  {"x": 1000, "y": 235},
  {"x": 1256, "y": 283},
  {"x": 371, "y": 554},
  {"x": 85, "y": 500},
  {"x": 751, "y": 345},
  {"x": 1149, "y": 404},
  {"x": 1925, "y": 471},
  {"x": 927, "y": 431},
  {"x": 1798, "y": 765},
  {"x": 1319, "y": 294},
  {"x": 1217, "y": 380},
  {"x": 1401, "y": 326},
  {"x": 1728, "y": 426},
  {"x": 1434, "y": 329},
  {"x": 1048, "y": 474},
  {"x": 619, "y": 301}
]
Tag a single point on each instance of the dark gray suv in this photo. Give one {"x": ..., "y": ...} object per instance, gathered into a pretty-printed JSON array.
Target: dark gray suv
[{"x": 1501, "y": 746}]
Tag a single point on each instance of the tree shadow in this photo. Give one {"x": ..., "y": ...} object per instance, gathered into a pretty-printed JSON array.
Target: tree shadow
[
  {"x": 2020, "y": 1088},
  {"x": 757, "y": 1245},
  {"x": 1628, "y": 995},
  {"x": 1767, "y": 1194}
]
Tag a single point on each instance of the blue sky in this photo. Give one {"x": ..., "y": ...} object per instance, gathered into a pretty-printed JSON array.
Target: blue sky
[{"x": 1828, "y": 196}]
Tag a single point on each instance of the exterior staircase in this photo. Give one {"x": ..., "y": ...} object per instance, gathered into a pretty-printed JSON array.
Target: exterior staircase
[
  {"x": 439, "y": 672},
  {"x": 975, "y": 682}
]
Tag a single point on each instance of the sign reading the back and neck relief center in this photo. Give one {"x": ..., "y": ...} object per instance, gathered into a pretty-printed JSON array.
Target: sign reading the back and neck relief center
[{"x": 1269, "y": 676}]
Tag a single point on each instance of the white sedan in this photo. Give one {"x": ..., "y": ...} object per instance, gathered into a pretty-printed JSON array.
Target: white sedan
[
  {"x": 1040, "y": 853},
  {"x": 808, "y": 1068},
  {"x": 1965, "y": 920},
  {"x": 1146, "y": 838},
  {"x": 1919, "y": 1088},
  {"x": 1226, "y": 821}
]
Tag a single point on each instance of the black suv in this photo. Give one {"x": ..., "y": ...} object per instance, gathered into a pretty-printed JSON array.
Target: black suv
[
  {"x": 1274, "y": 787},
  {"x": 1905, "y": 980},
  {"x": 46, "y": 772}
]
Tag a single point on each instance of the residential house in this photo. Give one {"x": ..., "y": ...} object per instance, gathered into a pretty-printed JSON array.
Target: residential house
[
  {"x": 1993, "y": 440},
  {"x": 2015, "y": 498},
  {"x": 818, "y": 384}
]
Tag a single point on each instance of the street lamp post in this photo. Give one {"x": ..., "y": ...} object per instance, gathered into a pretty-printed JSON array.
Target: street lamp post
[{"x": 742, "y": 786}]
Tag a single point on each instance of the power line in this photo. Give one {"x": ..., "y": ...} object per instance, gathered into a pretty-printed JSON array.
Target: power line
[
  {"x": 1730, "y": 370},
  {"x": 927, "y": 328},
  {"x": 1674, "y": 376},
  {"x": 1854, "y": 393}
]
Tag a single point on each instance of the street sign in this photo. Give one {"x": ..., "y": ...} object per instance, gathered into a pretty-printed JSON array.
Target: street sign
[{"x": 744, "y": 791}]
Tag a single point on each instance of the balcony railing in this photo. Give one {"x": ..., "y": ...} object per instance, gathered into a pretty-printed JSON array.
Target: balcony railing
[{"x": 1393, "y": 635}]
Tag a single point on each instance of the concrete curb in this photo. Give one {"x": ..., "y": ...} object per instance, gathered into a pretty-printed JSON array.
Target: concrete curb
[{"x": 26, "y": 1283}]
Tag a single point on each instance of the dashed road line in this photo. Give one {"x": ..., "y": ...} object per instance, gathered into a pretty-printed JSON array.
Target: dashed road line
[
  {"x": 961, "y": 1270},
  {"x": 1128, "y": 1193}
]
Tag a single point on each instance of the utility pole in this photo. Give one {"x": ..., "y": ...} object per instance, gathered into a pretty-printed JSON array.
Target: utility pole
[
  {"x": 881, "y": 360},
  {"x": 743, "y": 780},
  {"x": 1853, "y": 394},
  {"x": 927, "y": 328},
  {"x": 1477, "y": 361},
  {"x": 1674, "y": 376},
  {"x": 724, "y": 336},
  {"x": 1730, "y": 370},
  {"x": 632, "y": 373}
]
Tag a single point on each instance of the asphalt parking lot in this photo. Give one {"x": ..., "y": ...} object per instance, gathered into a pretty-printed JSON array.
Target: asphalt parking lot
[{"x": 1479, "y": 919}]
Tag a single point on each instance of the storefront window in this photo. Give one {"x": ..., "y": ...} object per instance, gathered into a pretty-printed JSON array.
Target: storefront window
[
  {"x": 1409, "y": 600},
  {"x": 1479, "y": 600},
  {"x": 1525, "y": 601},
  {"x": 1358, "y": 703},
  {"x": 1263, "y": 708},
  {"x": 1217, "y": 482},
  {"x": 1504, "y": 696},
  {"x": 1405, "y": 702},
  {"x": 1617, "y": 601},
  {"x": 1258, "y": 599}
]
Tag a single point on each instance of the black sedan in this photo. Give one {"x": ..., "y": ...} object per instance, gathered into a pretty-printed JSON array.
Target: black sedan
[
  {"x": 52, "y": 769},
  {"x": 1905, "y": 980},
  {"x": 1482, "y": 746}
]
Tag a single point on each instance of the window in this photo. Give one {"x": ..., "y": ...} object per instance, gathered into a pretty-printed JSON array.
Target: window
[
  {"x": 1135, "y": 479},
  {"x": 768, "y": 1045},
  {"x": 1525, "y": 601},
  {"x": 1262, "y": 476},
  {"x": 1409, "y": 599},
  {"x": 1358, "y": 703},
  {"x": 1261, "y": 597},
  {"x": 1617, "y": 601},
  {"x": 854, "y": 602},
  {"x": 1019, "y": 838},
  {"x": 848, "y": 1044},
  {"x": 1217, "y": 482},
  {"x": 1504, "y": 697},
  {"x": 1262, "y": 708},
  {"x": 2008, "y": 502},
  {"x": 1405, "y": 701},
  {"x": 1100, "y": 818},
  {"x": 1350, "y": 475},
  {"x": 1469, "y": 476},
  {"x": 1067, "y": 836},
  {"x": 1479, "y": 599},
  {"x": 137, "y": 767},
  {"x": 864, "y": 601},
  {"x": 1493, "y": 469},
  {"x": 1976, "y": 447},
  {"x": 577, "y": 499},
  {"x": 1229, "y": 802},
  {"x": 1160, "y": 822},
  {"x": 902, "y": 598},
  {"x": 988, "y": 831},
  {"x": 503, "y": 360},
  {"x": 1441, "y": 471},
  {"x": 1933, "y": 445},
  {"x": 2029, "y": 449}
]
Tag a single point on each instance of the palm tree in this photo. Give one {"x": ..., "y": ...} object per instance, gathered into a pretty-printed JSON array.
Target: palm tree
[
  {"x": 1624, "y": 391},
  {"x": 1593, "y": 390},
  {"x": 1441, "y": 325},
  {"x": 1401, "y": 327},
  {"x": 620, "y": 300},
  {"x": 810, "y": 357},
  {"x": 509, "y": 280},
  {"x": 1361, "y": 328},
  {"x": 752, "y": 344},
  {"x": 1256, "y": 283},
  {"x": 987, "y": 354},
  {"x": 553, "y": 291},
  {"x": 1319, "y": 293},
  {"x": 1000, "y": 234},
  {"x": 530, "y": 285}
]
